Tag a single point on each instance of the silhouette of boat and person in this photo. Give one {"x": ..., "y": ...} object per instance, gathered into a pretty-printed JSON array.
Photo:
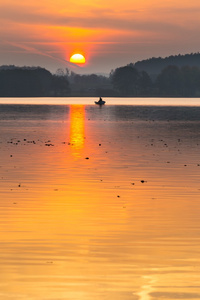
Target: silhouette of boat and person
[{"x": 100, "y": 102}]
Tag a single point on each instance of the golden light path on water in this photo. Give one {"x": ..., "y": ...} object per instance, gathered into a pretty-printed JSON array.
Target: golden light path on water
[
  {"x": 77, "y": 129},
  {"x": 122, "y": 224}
]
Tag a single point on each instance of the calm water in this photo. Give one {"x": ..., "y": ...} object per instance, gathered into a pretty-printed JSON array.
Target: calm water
[{"x": 99, "y": 203}]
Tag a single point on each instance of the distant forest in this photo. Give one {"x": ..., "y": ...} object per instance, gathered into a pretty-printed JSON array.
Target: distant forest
[{"x": 173, "y": 76}]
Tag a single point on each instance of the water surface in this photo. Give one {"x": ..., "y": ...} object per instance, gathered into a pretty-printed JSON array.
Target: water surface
[
  {"x": 109, "y": 101},
  {"x": 99, "y": 203}
]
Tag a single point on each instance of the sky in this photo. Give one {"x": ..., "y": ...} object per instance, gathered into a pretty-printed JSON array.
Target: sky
[{"x": 109, "y": 33}]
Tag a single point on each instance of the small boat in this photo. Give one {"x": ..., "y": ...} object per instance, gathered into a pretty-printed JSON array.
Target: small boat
[{"x": 100, "y": 102}]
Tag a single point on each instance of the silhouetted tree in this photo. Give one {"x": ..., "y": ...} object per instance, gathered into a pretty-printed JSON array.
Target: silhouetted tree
[
  {"x": 190, "y": 80},
  {"x": 24, "y": 82},
  {"x": 169, "y": 81},
  {"x": 60, "y": 86},
  {"x": 60, "y": 72},
  {"x": 125, "y": 80},
  {"x": 88, "y": 85},
  {"x": 145, "y": 83},
  {"x": 31, "y": 82},
  {"x": 155, "y": 65}
]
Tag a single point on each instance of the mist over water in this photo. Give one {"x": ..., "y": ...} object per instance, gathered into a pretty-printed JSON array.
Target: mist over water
[
  {"x": 109, "y": 101},
  {"x": 99, "y": 203}
]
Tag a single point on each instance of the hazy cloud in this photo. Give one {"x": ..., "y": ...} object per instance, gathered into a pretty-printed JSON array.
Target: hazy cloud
[
  {"x": 115, "y": 22},
  {"x": 111, "y": 34}
]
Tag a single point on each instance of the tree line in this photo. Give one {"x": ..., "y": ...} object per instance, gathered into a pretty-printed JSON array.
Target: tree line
[
  {"x": 172, "y": 81},
  {"x": 155, "y": 65},
  {"x": 31, "y": 82},
  {"x": 125, "y": 81}
]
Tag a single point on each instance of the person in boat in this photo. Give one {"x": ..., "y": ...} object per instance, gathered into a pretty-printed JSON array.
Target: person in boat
[{"x": 100, "y": 100}]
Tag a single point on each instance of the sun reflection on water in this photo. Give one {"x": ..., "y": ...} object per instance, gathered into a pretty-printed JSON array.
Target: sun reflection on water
[
  {"x": 121, "y": 225},
  {"x": 147, "y": 288},
  {"x": 77, "y": 129}
]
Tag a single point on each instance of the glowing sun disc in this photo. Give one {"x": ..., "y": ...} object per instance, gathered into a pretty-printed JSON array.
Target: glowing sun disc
[{"x": 77, "y": 59}]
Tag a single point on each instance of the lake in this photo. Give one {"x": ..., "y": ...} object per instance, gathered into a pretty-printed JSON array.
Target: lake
[{"x": 99, "y": 202}]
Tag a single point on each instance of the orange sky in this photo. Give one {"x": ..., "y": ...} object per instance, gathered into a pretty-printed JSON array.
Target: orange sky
[{"x": 110, "y": 33}]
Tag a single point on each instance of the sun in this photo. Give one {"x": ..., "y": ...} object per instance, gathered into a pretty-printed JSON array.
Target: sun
[{"x": 77, "y": 59}]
